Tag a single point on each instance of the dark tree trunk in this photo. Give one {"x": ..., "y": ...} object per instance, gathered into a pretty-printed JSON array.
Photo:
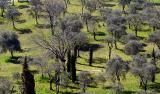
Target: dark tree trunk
[
  {"x": 66, "y": 3},
  {"x": 78, "y": 52},
  {"x": 115, "y": 43},
  {"x": 69, "y": 61},
  {"x": 75, "y": 52},
  {"x": 12, "y": 54},
  {"x": 90, "y": 56},
  {"x": 110, "y": 52},
  {"x": 136, "y": 32},
  {"x": 36, "y": 17},
  {"x": 27, "y": 79},
  {"x": 2, "y": 12},
  {"x": 73, "y": 68},
  {"x": 153, "y": 78},
  {"x": 13, "y": 23},
  {"x": 87, "y": 25},
  {"x": 13, "y": 3},
  {"x": 123, "y": 7}
]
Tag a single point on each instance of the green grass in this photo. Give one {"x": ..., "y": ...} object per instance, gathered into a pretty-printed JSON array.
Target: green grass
[{"x": 100, "y": 55}]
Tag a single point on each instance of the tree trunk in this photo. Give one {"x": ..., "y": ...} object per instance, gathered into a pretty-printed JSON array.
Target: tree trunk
[
  {"x": 73, "y": 68},
  {"x": 13, "y": 23},
  {"x": 136, "y": 32},
  {"x": 110, "y": 52},
  {"x": 13, "y": 3},
  {"x": 90, "y": 56},
  {"x": 11, "y": 53},
  {"x": 75, "y": 52},
  {"x": 78, "y": 52},
  {"x": 36, "y": 16},
  {"x": 115, "y": 43},
  {"x": 69, "y": 61},
  {"x": 87, "y": 25},
  {"x": 2, "y": 12}
]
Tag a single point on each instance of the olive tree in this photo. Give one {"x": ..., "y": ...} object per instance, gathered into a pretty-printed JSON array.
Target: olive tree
[
  {"x": 5, "y": 86},
  {"x": 143, "y": 70},
  {"x": 36, "y": 7},
  {"x": 117, "y": 68},
  {"x": 3, "y": 5},
  {"x": 9, "y": 42},
  {"x": 135, "y": 21},
  {"x": 124, "y": 3},
  {"x": 110, "y": 42},
  {"x": 11, "y": 14},
  {"x": 133, "y": 47},
  {"x": 84, "y": 79},
  {"x": 53, "y": 8},
  {"x": 154, "y": 38}
]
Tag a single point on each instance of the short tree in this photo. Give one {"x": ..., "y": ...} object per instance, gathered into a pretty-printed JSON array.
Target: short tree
[
  {"x": 124, "y": 3},
  {"x": 3, "y": 5},
  {"x": 84, "y": 79},
  {"x": 135, "y": 22},
  {"x": 9, "y": 42},
  {"x": 5, "y": 86},
  {"x": 117, "y": 68},
  {"x": 133, "y": 47},
  {"x": 154, "y": 38},
  {"x": 36, "y": 7},
  {"x": 143, "y": 70},
  {"x": 12, "y": 14}
]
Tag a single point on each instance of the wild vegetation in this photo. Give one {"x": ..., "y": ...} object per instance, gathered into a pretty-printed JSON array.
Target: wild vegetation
[{"x": 80, "y": 47}]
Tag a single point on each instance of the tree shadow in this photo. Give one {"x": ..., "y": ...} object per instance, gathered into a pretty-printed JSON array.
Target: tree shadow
[
  {"x": 24, "y": 31},
  {"x": 109, "y": 5},
  {"x": 90, "y": 66},
  {"x": 93, "y": 46},
  {"x": 128, "y": 92},
  {"x": 99, "y": 60},
  {"x": 68, "y": 92},
  {"x": 13, "y": 60},
  {"x": 23, "y": 6},
  {"x": 100, "y": 34},
  {"x": 155, "y": 86},
  {"x": 21, "y": 21},
  {"x": 43, "y": 26}
]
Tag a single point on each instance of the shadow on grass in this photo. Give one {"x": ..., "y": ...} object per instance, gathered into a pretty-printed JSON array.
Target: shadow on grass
[
  {"x": 87, "y": 46},
  {"x": 100, "y": 34},
  {"x": 23, "y": 6},
  {"x": 155, "y": 86},
  {"x": 24, "y": 31},
  {"x": 67, "y": 92},
  {"x": 99, "y": 60},
  {"x": 90, "y": 66},
  {"x": 43, "y": 26},
  {"x": 13, "y": 60},
  {"x": 128, "y": 92}
]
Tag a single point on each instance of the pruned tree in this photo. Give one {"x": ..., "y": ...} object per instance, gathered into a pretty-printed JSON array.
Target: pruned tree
[
  {"x": 116, "y": 25},
  {"x": 86, "y": 17},
  {"x": 11, "y": 14},
  {"x": 84, "y": 79},
  {"x": 16, "y": 76},
  {"x": 110, "y": 42},
  {"x": 9, "y": 42},
  {"x": 143, "y": 70},
  {"x": 133, "y": 47},
  {"x": 36, "y": 7},
  {"x": 83, "y": 2},
  {"x": 154, "y": 38},
  {"x": 123, "y": 3},
  {"x": 117, "y": 68},
  {"x": 5, "y": 86},
  {"x": 91, "y": 5},
  {"x": 3, "y": 5},
  {"x": 28, "y": 82},
  {"x": 135, "y": 21},
  {"x": 53, "y": 8}
]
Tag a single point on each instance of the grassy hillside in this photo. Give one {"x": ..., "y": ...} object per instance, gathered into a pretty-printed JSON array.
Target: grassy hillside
[{"x": 7, "y": 68}]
